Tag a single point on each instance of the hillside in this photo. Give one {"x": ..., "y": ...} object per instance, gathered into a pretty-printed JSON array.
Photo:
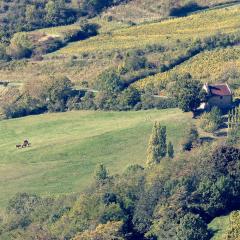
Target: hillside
[
  {"x": 139, "y": 11},
  {"x": 67, "y": 146},
  {"x": 162, "y": 43},
  {"x": 108, "y": 93}
]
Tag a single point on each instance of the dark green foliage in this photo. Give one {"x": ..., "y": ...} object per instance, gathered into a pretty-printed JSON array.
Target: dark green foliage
[
  {"x": 135, "y": 62},
  {"x": 58, "y": 91},
  {"x": 188, "y": 93},
  {"x": 101, "y": 173},
  {"x": 29, "y": 15},
  {"x": 170, "y": 150},
  {"x": 190, "y": 139},
  {"x": 95, "y": 6},
  {"x": 109, "y": 82},
  {"x": 20, "y": 46},
  {"x": 3, "y": 53},
  {"x": 192, "y": 227},
  {"x": 23, "y": 203},
  {"x": 225, "y": 159},
  {"x": 129, "y": 98}
]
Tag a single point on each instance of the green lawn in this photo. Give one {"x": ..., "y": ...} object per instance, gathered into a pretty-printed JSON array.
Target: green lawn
[{"x": 67, "y": 146}]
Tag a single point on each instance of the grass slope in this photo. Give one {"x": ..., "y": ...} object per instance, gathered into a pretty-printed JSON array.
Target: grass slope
[{"x": 67, "y": 146}]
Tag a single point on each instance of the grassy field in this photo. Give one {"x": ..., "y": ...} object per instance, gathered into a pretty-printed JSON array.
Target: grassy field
[{"x": 67, "y": 146}]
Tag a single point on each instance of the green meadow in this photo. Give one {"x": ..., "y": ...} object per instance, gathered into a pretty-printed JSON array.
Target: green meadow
[{"x": 67, "y": 146}]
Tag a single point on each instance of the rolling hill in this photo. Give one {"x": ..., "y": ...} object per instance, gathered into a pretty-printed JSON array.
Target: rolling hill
[{"x": 85, "y": 60}]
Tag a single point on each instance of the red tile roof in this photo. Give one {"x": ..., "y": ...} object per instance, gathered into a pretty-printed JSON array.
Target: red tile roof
[{"x": 219, "y": 90}]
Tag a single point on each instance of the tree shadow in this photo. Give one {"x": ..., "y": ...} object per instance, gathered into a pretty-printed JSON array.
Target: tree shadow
[
  {"x": 186, "y": 9},
  {"x": 221, "y": 134},
  {"x": 206, "y": 140}
]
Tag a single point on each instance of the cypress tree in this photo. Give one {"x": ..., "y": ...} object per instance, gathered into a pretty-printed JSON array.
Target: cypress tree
[
  {"x": 152, "y": 146},
  {"x": 157, "y": 147},
  {"x": 101, "y": 173},
  {"x": 170, "y": 150}
]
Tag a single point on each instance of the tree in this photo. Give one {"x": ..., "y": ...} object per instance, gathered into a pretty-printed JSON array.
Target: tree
[
  {"x": 170, "y": 150},
  {"x": 3, "y": 53},
  {"x": 157, "y": 147},
  {"x": 135, "y": 62},
  {"x": 20, "y": 46},
  {"x": 188, "y": 93},
  {"x": 108, "y": 231},
  {"x": 212, "y": 120},
  {"x": 53, "y": 10},
  {"x": 192, "y": 227},
  {"x": 101, "y": 173},
  {"x": 190, "y": 139},
  {"x": 95, "y": 6},
  {"x": 56, "y": 92},
  {"x": 233, "y": 231},
  {"x": 129, "y": 97},
  {"x": 109, "y": 82}
]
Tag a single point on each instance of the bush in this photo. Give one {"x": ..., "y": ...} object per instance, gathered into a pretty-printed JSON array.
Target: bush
[
  {"x": 129, "y": 98},
  {"x": 135, "y": 63},
  {"x": 191, "y": 138},
  {"x": 20, "y": 46},
  {"x": 233, "y": 136},
  {"x": 192, "y": 227},
  {"x": 211, "y": 121}
]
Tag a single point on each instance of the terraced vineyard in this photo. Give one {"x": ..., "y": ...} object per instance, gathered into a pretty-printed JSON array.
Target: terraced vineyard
[
  {"x": 85, "y": 60},
  {"x": 209, "y": 66},
  {"x": 194, "y": 26}
]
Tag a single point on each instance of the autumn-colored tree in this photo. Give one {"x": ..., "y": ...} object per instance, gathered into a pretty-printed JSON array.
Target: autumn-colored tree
[
  {"x": 108, "y": 231},
  {"x": 233, "y": 231}
]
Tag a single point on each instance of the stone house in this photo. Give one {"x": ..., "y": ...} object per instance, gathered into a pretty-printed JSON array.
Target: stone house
[{"x": 218, "y": 95}]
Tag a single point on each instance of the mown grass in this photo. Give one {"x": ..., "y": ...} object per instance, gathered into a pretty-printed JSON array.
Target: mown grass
[{"x": 67, "y": 146}]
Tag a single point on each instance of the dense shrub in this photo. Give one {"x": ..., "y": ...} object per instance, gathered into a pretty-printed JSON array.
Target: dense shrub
[
  {"x": 191, "y": 139},
  {"x": 211, "y": 121},
  {"x": 20, "y": 46},
  {"x": 187, "y": 92}
]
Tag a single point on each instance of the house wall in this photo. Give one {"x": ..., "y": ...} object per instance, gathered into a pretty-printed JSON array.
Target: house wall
[{"x": 221, "y": 102}]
